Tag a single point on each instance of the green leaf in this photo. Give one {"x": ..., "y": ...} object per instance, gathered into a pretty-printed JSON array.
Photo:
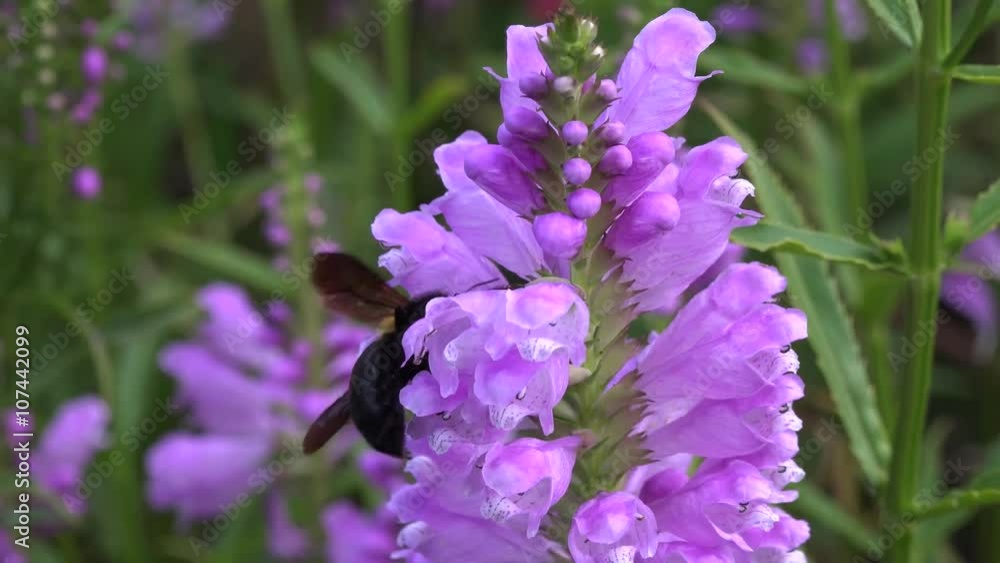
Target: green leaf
[
  {"x": 960, "y": 500},
  {"x": 431, "y": 105},
  {"x": 813, "y": 289},
  {"x": 357, "y": 83},
  {"x": 980, "y": 74},
  {"x": 235, "y": 263},
  {"x": 746, "y": 68},
  {"x": 821, "y": 510},
  {"x": 902, "y": 17},
  {"x": 983, "y": 216},
  {"x": 770, "y": 237}
]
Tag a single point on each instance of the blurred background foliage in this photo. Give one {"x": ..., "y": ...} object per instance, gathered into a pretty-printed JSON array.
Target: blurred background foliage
[{"x": 366, "y": 110}]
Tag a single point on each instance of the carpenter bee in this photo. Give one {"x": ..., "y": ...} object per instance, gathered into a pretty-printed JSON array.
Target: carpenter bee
[{"x": 372, "y": 399}]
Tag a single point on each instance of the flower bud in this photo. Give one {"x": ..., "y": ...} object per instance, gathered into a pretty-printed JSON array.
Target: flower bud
[
  {"x": 616, "y": 161},
  {"x": 123, "y": 40},
  {"x": 559, "y": 234},
  {"x": 584, "y": 203},
  {"x": 94, "y": 63},
  {"x": 534, "y": 86},
  {"x": 526, "y": 123},
  {"x": 576, "y": 170},
  {"x": 607, "y": 90},
  {"x": 653, "y": 213},
  {"x": 87, "y": 182},
  {"x": 613, "y": 133},
  {"x": 564, "y": 84},
  {"x": 575, "y": 132}
]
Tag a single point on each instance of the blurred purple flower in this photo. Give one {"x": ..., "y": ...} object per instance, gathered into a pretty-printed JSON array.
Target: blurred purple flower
[
  {"x": 154, "y": 20},
  {"x": 812, "y": 56},
  {"x": 972, "y": 295},
  {"x": 87, "y": 182},
  {"x": 353, "y": 536},
  {"x": 68, "y": 444},
  {"x": 850, "y": 13}
]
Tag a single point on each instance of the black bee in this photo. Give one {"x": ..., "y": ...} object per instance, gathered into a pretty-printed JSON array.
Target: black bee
[{"x": 372, "y": 399}]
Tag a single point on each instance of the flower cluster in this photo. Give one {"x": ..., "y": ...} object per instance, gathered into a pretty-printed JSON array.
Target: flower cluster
[
  {"x": 244, "y": 381},
  {"x": 541, "y": 429},
  {"x": 70, "y": 62}
]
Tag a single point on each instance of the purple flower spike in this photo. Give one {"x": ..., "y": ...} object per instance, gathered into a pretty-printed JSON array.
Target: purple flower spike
[
  {"x": 559, "y": 234},
  {"x": 584, "y": 203},
  {"x": 651, "y": 153},
  {"x": 94, "y": 63},
  {"x": 527, "y": 476},
  {"x": 87, "y": 182},
  {"x": 613, "y": 527},
  {"x": 576, "y": 170},
  {"x": 534, "y": 86},
  {"x": 616, "y": 161},
  {"x": 575, "y": 133},
  {"x": 497, "y": 171}
]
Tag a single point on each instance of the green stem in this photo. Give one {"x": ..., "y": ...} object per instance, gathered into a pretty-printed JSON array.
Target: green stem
[
  {"x": 285, "y": 53},
  {"x": 933, "y": 88},
  {"x": 878, "y": 353},
  {"x": 184, "y": 91},
  {"x": 397, "y": 54},
  {"x": 847, "y": 113}
]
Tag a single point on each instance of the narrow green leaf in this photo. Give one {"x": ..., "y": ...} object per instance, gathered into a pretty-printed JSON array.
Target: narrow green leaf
[
  {"x": 901, "y": 17},
  {"x": 746, "y": 68},
  {"x": 814, "y": 290},
  {"x": 985, "y": 213},
  {"x": 821, "y": 510},
  {"x": 774, "y": 237},
  {"x": 230, "y": 261},
  {"x": 980, "y": 74},
  {"x": 960, "y": 500},
  {"x": 431, "y": 105},
  {"x": 357, "y": 83}
]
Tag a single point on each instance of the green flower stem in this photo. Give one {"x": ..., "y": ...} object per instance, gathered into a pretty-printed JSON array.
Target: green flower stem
[
  {"x": 285, "y": 53},
  {"x": 184, "y": 91},
  {"x": 397, "y": 53},
  {"x": 847, "y": 114},
  {"x": 933, "y": 89}
]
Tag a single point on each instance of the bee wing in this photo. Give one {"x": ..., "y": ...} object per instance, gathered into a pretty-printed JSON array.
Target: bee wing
[
  {"x": 327, "y": 424},
  {"x": 353, "y": 289}
]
